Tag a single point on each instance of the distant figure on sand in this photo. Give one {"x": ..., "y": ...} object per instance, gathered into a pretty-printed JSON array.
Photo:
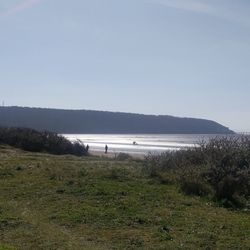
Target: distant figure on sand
[
  {"x": 134, "y": 143},
  {"x": 87, "y": 148},
  {"x": 106, "y": 149}
]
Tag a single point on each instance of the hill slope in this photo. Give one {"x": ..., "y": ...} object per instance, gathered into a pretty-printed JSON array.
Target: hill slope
[
  {"x": 52, "y": 202},
  {"x": 85, "y": 121}
]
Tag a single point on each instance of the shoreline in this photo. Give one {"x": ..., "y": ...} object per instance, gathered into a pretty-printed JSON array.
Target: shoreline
[{"x": 113, "y": 155}]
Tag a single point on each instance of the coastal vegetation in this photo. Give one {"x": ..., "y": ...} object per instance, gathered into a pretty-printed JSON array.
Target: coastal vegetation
[
  {"x": 35, "y": 141},
  {"x": 218, "y": 169},
  {"x": 68, "y": 202},
  {"x": 190, "y": 199}
]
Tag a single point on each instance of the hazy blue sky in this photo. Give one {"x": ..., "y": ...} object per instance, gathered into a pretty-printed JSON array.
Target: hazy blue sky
[{"x": 179, "y": 57}]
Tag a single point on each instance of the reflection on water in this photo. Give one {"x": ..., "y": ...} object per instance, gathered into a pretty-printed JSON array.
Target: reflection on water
[{"x": 138, "y": 144}]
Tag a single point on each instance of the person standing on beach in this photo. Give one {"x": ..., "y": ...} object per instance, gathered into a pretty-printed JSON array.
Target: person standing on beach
[{"x": 106, "y": 149}]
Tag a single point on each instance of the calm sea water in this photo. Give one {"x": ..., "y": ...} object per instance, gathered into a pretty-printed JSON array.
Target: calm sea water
[{"x": 138, "y": 144}]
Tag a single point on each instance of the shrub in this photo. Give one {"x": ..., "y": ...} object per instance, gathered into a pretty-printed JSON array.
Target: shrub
[
  {"x": 219, "y": 168},
  {"x": 32, "y": 140},
  {"x": 192, "y": 183},
  {"x": 123, "y": 157}
]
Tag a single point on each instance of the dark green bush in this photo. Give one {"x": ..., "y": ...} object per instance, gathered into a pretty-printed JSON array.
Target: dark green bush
[
  {"x": 34, "y": 141},
  {"x": 192, "y": 183},
  {"x": 219, "y": 168},
  {"x": 123, "y": 157}
]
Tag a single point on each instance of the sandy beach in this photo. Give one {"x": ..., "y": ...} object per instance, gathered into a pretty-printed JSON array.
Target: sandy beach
[{"x": 114, "y": 155}]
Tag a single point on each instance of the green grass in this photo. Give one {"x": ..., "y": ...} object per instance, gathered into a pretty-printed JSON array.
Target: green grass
[{"x": 65, "y": 202}]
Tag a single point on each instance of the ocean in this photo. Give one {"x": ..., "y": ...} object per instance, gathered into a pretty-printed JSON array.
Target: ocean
[{"x": 139, "y": 143}]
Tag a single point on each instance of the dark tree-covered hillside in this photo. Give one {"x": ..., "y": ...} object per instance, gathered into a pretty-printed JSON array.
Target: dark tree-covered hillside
[{"x": 85, "y": 121}]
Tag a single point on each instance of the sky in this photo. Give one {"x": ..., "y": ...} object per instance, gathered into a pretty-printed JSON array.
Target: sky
[{"x": 187, "y": 58}]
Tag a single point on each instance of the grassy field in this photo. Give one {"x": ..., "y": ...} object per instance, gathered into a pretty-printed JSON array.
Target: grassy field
[{"x": 66, "y": 202}]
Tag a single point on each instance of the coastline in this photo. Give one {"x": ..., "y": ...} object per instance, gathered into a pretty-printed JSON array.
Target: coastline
[{"x": 113, "y": 155}]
